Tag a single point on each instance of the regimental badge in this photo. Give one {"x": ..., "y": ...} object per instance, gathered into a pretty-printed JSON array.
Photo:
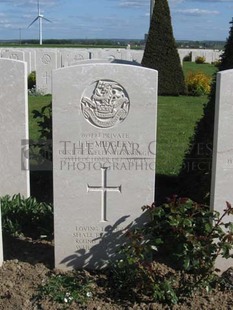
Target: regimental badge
[{"x": 107, "y": 104}]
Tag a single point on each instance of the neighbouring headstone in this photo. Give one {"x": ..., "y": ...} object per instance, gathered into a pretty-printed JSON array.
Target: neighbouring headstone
[
  {"x": 109, "y": 54},
  {"x": 46, "y": 62},
  {"x": 1, "y": 247},
  {"x": 222, "y": 167},
  {"x": 13, "y": 128},
  {"x": 104, "y": 137},
  {"x": 209, "y": 55},
  {"x": 33, "y": 59},
  {"x": 13, "y": 54},
  {"x": 71, "y": 56},
  {"x": 182, "y": 54},
  {"x": 137, "y": 55}
]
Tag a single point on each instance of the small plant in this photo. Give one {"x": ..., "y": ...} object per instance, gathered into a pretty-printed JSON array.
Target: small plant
[
  {"x": 44, "y": 145},
  {"x": 35, "y": 92},
  {"x": 44, "y": 117},
  {"x": 187, "y": 57},
  {"x": 198, "y": 84},
  {"x": 189, "y": 235},
  {"x": 26, "y": 217},
  {"x": 32, "y": 80},
  {"x": 66, "y": 289},
  {"x": 216, "y": 63},
  {"x": 200, "y": 60}
]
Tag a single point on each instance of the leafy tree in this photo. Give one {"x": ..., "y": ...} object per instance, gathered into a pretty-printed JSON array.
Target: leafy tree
[{"x": 161, "y": 53}]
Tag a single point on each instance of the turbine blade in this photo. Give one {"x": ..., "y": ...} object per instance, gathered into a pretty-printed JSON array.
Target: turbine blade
[
  {"x": 46, "y": 19},
  {"x": 33, "y": 21},
  {"x": 38, "y": 6}
]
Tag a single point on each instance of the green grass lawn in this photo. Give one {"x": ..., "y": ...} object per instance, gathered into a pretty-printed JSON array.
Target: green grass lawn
[
  {"x": 177, "y": 117},
  {"x": 208, "y": 69},
  {"x": 36, "y": 103}
]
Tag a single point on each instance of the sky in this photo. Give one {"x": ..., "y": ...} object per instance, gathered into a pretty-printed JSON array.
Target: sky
[{"x": 113, "y": 19}]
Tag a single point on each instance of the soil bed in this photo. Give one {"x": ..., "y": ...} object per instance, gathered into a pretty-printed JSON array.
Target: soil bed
[{"x": 29, "y": 263}]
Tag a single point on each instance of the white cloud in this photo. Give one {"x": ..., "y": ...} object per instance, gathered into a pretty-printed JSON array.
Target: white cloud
[
  {"x": 132, "y": 3},
  {"x": 195, "y": 12}
]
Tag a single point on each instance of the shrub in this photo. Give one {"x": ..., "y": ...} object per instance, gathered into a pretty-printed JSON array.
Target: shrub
[
  {"x": 216, "y": 63},
  {"x": 32, "y": 80},
  {"x": 200, "y": 60},
  {"x": 187, "y": 57},
  {"x": 26, "y": 217},
  {"x": 198, "y": 84},
  {"x": 189, "y": 236}
]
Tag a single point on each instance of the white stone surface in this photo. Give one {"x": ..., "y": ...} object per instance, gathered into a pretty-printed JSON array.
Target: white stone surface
[
  {"x": 104, "y": 158},
  {"x": 46, "y": 61},
  {"x": 222, "y": 167},
  {"x": 71, "y": 56},
  {"x": 1, "y": 247},
  {"x": 182, "y": 54},
  {"x": 137, "y": 56},
  {"x": 111, "y": 53},
  {"x": 28, "y": 59},
  {"x": 210, "y": 55},
  {"x": 33, "y": 59},
  {"x": 13, "y": 128},
  {"x": 13, "y": 54}
]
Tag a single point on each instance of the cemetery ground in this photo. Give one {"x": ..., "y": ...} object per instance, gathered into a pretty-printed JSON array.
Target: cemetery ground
[{"x": 29, "y": 260}]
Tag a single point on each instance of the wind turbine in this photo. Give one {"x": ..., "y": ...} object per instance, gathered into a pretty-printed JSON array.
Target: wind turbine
[{"x": 40, "y": 17}]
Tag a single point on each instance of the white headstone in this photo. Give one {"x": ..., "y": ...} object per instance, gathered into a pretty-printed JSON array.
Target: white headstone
[
  {"x": 104, "y": 132},
  {"x": 222, "y": 167},
  {"x": 207, "y": 54},
  {"x": 46, "y": 61},
  {"x": 137, "y": 55},
  {"x": 13, "y": 128},
  {"x": 110, "y": 54},
  {"x": 13, "y": 54},
  {"x": 33, "y": 59},
  {"x": 71, "y": 56}
]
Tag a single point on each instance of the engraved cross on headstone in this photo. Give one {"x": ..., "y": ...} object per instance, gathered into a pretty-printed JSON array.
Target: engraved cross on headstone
[{"x": 104, "y": 189}]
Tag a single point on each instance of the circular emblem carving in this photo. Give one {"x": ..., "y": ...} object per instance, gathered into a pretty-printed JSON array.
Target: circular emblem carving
[
  {"x": 46, "y": 59},
  {"x": 105, "y": 103}
]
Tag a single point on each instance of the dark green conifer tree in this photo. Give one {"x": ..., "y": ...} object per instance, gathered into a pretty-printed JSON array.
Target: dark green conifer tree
[
  {"x": 161, "y": 53},
  {"x": 227, "y": 57},
  {"x": 195, "y": 177}
]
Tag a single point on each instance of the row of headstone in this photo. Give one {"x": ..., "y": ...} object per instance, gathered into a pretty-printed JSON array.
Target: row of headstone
[
  {"x": 44, "y": 61},
  {"x": 210, "y": 56},
  {"x": 66, "y": 57},
  {"x": 104, "y": 141}
]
